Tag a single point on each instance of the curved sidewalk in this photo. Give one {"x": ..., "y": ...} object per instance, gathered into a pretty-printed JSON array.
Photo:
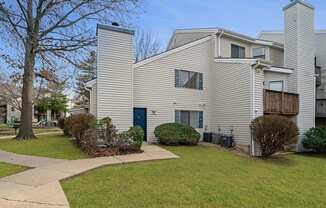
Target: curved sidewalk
[{"x": 40, "y": 187}]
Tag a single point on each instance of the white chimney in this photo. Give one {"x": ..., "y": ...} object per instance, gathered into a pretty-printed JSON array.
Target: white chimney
[
  {"x": 299, "y": 53},
  {"x": 115, "y": 74}
]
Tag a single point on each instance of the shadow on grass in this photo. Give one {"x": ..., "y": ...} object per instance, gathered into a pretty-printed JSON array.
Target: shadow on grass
[
  {"x": 312, "y": 154},
  {"x": 279, "y": 160}
]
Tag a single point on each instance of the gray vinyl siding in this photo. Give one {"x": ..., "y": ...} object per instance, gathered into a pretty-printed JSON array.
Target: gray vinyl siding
[
  {"x": 114, "y": 72},
  {"x": 300, "y": 50},
  {"x": 276, "y": 56},
  {"x": 181, "y": 39},
  {"x": 154, "y": 87},
  {"x": 226, "y": 43},
  {"x": 291, "y": 46},
  {"x": 231, "y": 100}
]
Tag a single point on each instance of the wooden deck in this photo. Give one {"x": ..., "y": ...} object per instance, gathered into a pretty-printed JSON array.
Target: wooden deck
[{"x": 281, "y": 103}]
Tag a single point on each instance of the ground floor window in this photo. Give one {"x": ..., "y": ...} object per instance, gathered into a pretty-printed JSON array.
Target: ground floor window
[{"x": 191, "y": 118}]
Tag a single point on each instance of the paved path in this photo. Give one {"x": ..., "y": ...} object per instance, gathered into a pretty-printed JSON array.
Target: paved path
[
  {"x": 28, "y": 161},
  {"x": 40, "y": 187}
]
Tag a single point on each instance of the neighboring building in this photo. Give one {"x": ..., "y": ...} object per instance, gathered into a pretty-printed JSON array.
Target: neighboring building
[
  {"x": 8, "y": 113},
  {"x": 213, "y": 79}
]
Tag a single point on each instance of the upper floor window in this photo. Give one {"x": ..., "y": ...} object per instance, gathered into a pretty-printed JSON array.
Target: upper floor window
[
  {"x": 238, "y": 51},
  {"x": 190, "y": 118},
  {"x": 276, "y": 85},
  {"x": 259, "y": 53},
  {"x": 188, "y": 79}
]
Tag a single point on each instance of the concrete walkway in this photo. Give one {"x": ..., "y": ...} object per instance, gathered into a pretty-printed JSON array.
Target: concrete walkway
[{"x": 40, "y": 187}]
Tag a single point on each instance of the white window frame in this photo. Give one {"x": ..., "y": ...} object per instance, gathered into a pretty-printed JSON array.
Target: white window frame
[
  {"x": 265, "y": 52},
  {"x": 283, "y": 84}
]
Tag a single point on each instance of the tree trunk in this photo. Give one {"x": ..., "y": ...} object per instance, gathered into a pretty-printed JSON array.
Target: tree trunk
[{"x": 26, "y": 119}]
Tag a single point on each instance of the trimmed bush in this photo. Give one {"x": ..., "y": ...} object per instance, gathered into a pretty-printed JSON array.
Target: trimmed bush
[
  {"x": 272, "y": 133},
  {"x": 176, "y": 134},
  {"x": 315, "y": 139}
]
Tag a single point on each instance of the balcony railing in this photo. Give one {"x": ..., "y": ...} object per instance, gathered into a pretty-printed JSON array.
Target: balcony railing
[{"x": 281, "y": 103}]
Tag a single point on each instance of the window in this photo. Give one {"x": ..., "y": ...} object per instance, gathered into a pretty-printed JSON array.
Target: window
[
  {"x": 259, "y": 53},
  {"x": 191, "y": 118},
  {"x": 276, "y": 85},
  {"x": 188, "y": 79},
  {"x": 238, "y": 51}
]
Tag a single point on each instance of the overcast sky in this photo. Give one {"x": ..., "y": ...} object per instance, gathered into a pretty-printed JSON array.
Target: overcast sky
[{"x": 249, "y": 17}]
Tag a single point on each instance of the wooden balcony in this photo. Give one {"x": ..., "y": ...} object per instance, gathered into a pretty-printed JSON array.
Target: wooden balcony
[{"x": 281, "y": 103}]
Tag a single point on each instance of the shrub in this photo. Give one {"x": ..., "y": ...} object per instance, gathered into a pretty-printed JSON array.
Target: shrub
[
  {"x": 176, "y": 134},
  {"x": 315, "y": 139},
  {"x": 136, "y": 133},
  {"x": 77, "y": 125},
  {"x": 272, "y": 133},
  {"x": 65, "y": 125}
]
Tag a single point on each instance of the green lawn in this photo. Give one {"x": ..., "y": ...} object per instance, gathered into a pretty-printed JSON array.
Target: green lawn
[
  {"x": 204, "y": 177},
  {"x": 7, "y": 169},
  {"x": 54, "y": 146}
]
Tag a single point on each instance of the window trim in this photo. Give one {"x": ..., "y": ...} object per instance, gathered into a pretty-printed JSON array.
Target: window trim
[
  {"x": 200, "y": 117},
  {"x": 238, "y": 46},
  {"x": 200, "y": 81}
]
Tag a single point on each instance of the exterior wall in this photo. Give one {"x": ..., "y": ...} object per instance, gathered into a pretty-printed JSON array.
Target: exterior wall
[
  {"x": 320, "y": 45},
  {"x": 272, "y": 36},
  {"x": 276, "y": 57},
  {"x": 154, "y": 87},
  {"x": 181, "y": 39},
  {"x": 92, "y": 103},
  {"x": 12, "y": 115},
  {"x": 299, "y": 54},
  {"x": 226, "y": 43},
  {"x": 231, "y": 100},
  {"x": 258, "y": 103},
  {"x": 291, "y": 46},
  {"x": 114, "y": 72},
  {"x": 275, "y": 76}
]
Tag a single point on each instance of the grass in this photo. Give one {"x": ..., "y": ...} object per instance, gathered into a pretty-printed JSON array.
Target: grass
[
  {"x": 204, "y": 177},
  {"x": 51, "y": 145},
  {"x": 7, "y": 169}
]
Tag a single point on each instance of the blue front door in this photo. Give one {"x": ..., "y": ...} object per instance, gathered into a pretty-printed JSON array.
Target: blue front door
[{"x": 140, "y": 119}]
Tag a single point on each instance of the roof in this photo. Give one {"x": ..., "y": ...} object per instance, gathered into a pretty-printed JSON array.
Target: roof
[
  {"x": 228, "y": 33},
  {"x": 171, "y": 51},
  {"x": 294, "y": 2},
  {"x": 116, "y": 29}
]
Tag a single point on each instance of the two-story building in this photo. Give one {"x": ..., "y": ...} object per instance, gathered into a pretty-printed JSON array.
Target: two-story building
[{"x": 213, "y": 79}]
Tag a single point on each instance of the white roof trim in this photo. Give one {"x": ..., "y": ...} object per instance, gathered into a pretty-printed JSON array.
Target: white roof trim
[
  {"x": 279, "y": 70},
  {"x": 172, "y": 51},
  {"x": 236, "y": 60},
  {"x": 91, "y": 83}
]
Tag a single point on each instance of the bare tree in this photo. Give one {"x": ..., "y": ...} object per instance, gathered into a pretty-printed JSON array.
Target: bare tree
[
  {"x": 46, "y": 33},
  {"x": 146, "y": 45}
]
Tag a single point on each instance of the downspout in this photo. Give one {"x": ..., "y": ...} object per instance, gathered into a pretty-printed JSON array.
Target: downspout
[
  {"x": 253, "y": 110},
  {"x": 219, "y": 35}
]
